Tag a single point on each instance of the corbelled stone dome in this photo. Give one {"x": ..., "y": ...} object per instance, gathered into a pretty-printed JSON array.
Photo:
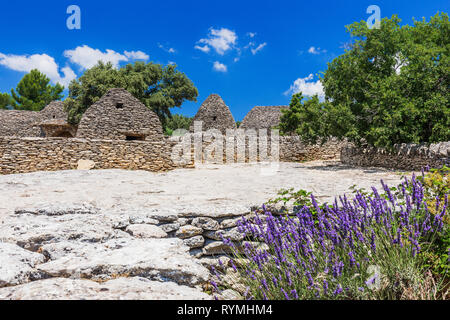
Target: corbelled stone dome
[{"x": 215, "y": 114}]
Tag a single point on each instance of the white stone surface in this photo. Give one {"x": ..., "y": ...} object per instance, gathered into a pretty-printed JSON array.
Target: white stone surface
[
  {"x": 145, "y": 231},
  {"x": 215, "y": 190},
  {"x": 134, "y": 288},
  {"x": 161, "y": 259},
  {"x": 17, "y": 264},
  {"x": 101, "y": 225}
]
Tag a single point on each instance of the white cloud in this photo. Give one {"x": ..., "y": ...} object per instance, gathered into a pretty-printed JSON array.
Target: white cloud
[
  {"x": 43, "y": 62},
  {"x": 220, "y": 67},
  {"x": 136, "y": 55},
  {"x": 84, "y": 56},
  {"x": 171, "y": 62},
  {"x": 169, "y": 50},
  {"x": 87, "y": 57},
  {"x": 314, "y": 50},
  {"x": 258, "y": 48},
  {"x": 205, "y": 48},
  {"x": 307, "y": 87},
  {"x": 221, "y": 40},
  {"x": 251, "y": 34},
  {"x": 250, "y": 44}
]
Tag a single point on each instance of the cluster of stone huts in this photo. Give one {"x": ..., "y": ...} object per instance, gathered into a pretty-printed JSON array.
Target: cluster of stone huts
[
  {"x": 118, "y": 115},
  {"x": 215, "y": 114}
]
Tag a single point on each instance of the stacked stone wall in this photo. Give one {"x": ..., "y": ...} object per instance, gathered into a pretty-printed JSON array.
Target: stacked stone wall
[{"x": 403, "y": 157}]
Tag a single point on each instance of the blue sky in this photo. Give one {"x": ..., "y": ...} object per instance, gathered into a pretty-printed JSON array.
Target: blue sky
[{"x": 249, "y": 52}]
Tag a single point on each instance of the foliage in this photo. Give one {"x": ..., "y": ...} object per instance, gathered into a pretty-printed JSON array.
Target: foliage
[
  {"x": 305, "y": 117},
  {"x": 390, "y": 87},
  {"x": 367, "y": 247},
  {"x": 436, "y": 189},
  {"x": 159, "y": 88},
  {"x": 176, "y": 121},
  {"x": 5, "y": 100},
  {"x": 298, "y": 198},
  {"x": 238, "y": 123},
  {"x": 34, "y": 92}
]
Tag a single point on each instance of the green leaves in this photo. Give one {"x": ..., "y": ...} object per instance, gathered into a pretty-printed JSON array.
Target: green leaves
[
  {"x": 34, "y": 92},
  {"x": 159, "y": 88},
  {"x": 5, "y": 100},
  {"x": 391, "y": 86},
  {"x": 176, "y": 121}
]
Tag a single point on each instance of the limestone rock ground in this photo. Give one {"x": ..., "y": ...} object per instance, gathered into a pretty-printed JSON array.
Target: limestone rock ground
[
  {"x": 113, "y": 234},
  {"x": 72, "y": 256}
]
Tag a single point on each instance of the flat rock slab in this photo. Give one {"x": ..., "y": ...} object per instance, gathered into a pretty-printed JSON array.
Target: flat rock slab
[
  {"x": 36, "y": 245},
  {"x": 146, "y": 231},
  {"x": 160, "y": 259},
  {"x": 215, "y": 190},
  {"x": 17, "y": 264},
  {"x": 134, "y": 288},
  {"x": 31, "y": 231}
]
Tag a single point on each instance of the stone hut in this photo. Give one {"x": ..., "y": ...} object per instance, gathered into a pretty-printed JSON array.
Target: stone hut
[
  {"x": 54, "y": 111},
  {"x": 118, "y": 115},
  {"x": 262, "y": 117},
  {"x": 215, "y": 114},
  {"x": 23, "y": 123}
]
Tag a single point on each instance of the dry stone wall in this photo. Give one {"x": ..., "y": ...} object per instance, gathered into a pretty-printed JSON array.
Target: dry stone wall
[
  {"x": 23, "y": 123},
  {"x": 19, "y": 123},
  {"x": 404, "y": 156},
  {"x": 290, "y": 148},
  {"x": 20, "y": 155}
]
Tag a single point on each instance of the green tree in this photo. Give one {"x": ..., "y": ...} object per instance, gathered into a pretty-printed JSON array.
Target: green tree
[
  {"x": 176, "y": 121},
  {"x": 5, "y": 100},
  {"x": 159, "y": 88},
  {"x": 34, "y": 92},
  {"x": 391, "y": 86}
]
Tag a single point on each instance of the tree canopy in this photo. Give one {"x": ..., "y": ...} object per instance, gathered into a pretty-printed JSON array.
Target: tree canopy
[
  {"x": 5, "y": 100},
  {"x": 176, "y": 121},
  {"x": 159, "y": 88},
  {"x": 391, "y": 86},
  {"x": 34, "y": 92}
]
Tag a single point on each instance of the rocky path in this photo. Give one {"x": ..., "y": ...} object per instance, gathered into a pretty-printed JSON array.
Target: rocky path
[{"x": 115, "y": 234}]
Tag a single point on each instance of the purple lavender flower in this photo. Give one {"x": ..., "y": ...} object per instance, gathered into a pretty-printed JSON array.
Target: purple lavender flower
[
  {"x": 338, "y": 291},
  {"x": 325, "y": 287},
  {"x": 233, "y": 265},
  {"x": 286, "y": 296}
]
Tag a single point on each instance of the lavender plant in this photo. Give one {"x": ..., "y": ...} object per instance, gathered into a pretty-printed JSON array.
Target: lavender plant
[{"x": 363, "y": 248}]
